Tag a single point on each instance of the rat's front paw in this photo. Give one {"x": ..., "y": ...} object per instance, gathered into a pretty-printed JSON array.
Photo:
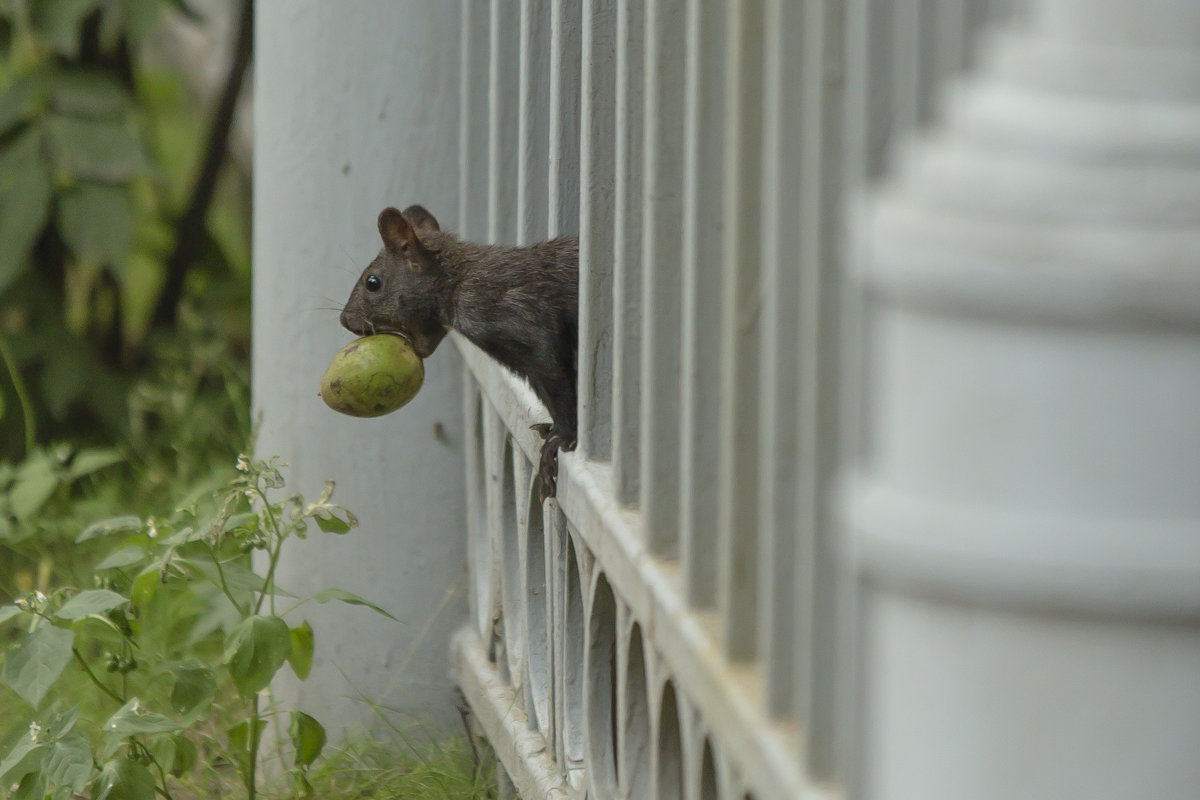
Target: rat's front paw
[{"x": 548, "y": 468}]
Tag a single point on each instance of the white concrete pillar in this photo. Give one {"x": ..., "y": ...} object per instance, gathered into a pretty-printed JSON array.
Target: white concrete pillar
[
  {"x": 1026, "y": 519},
  {"x": 357, "y": 108}
]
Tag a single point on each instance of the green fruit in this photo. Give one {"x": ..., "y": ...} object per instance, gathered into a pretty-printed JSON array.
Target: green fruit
[{"x": 372, "y": 376}]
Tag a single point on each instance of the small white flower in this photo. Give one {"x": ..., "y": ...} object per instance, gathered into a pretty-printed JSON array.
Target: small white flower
[{"x": 35, "y": 730}]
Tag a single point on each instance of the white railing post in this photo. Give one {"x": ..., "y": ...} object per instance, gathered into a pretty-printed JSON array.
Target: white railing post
[{"x": 1025, "y": 520}]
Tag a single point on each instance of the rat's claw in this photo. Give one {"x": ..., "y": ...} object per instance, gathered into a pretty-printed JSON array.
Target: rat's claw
[{"x": 548, "y": 468}]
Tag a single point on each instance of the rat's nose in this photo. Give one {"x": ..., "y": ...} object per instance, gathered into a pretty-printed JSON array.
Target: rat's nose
[{"x": 351, "y": 323}]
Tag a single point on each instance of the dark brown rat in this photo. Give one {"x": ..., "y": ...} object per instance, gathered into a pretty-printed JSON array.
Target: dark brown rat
[{"x": 520, "y": 305}]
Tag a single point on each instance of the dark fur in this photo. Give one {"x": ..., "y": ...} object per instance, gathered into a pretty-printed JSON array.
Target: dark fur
[{"x": 520, "y": 305}]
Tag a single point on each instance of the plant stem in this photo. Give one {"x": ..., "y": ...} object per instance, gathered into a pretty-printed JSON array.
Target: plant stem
[
  {"x": 252, "y": 743},
  {"x": 162, "y": 777},
  {"x": 269, "y": 581},
  {"x": 95, "y": 680},
  {"x": 212, "y": 552},
  {"x": 22, "y": 395}
]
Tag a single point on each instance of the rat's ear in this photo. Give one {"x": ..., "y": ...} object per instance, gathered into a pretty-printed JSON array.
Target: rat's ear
[
  {"x": 395, "y": 231},
  {"x": 421, "y": 219}
]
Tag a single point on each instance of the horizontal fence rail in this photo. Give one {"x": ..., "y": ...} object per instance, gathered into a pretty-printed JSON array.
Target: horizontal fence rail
[{"x": 670, "y": 625}]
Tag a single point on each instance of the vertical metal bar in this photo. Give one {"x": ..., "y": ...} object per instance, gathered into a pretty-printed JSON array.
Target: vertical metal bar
[
  {"x": 928, "y": 58},
  {"x": 627, "y": 251},
  {"x": 465, "y": 52},
  {"x": 533, "y": 124},
  {"x": 596, "y": 159},
  {"x": 860, "y": 162},
  {"x": 785, "y": 140},
  {"x": 740, "y": 332},
  {"x": 906, "y": 68},
  {"x": 563, "y": 192},
  {"x": 703, "y": 224},
  {"x": 879, "y": 119},
  {"x": 473, "y": 115},
  {"x": 662, "y": 210},
  {"x": 503, "y": 91},
  {"x": 951, "y": 36},
  {"x": 822, "y": 367}
]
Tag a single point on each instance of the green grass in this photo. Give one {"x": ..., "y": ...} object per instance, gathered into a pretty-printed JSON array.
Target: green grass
[{"x": 373, "y": 768}]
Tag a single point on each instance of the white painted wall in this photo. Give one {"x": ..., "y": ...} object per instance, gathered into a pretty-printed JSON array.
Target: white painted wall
[{"x": 357, "y": 108}]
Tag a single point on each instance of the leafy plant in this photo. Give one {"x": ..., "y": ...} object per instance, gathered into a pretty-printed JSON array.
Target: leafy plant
[
  {"x": 106, "y": 184},
  {"x": 177, "y": 639},
  {"x": 188, "y": 420}
]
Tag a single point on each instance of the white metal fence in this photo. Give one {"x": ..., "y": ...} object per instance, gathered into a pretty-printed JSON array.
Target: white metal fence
[
  {"x": 679, "y": 621},
  {"x": 886, "y": 485},
  {"x": 669, "y": 626}
]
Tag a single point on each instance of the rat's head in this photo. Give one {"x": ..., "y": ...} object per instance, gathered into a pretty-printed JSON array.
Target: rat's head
[{"x": 400, "y": 292}]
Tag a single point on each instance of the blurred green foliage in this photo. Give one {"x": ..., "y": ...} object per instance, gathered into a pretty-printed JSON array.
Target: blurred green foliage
[
  {"x": 103, "y": 406},
  {"x": 99, "y": 147}
]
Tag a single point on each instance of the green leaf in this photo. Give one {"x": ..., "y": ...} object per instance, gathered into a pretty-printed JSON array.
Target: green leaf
[
  {"x": 36, "y": 483},
  {"x": 332, "y": 524},
  {"x": 243, "y": 748},
  {"x": 246, "y": 519},
  {"x": 187, "y": 534},
  {"x": 325, "y": 595},
  {"x": 32, "y": 787},
  {"x": 238, "y": 578},
  {"x": 106, "y": 527},
  {"x": 24, "y": 209},
  {"x": 91, "y": 601},
  {"x": 69, "y": 762},
  {"x": 33, "y": 667},
  {"x": 195, "y": 686},
  {"x": 59, "y": 22},
  {"x": 18, "y": 102},
  {"x": 308, "y": 738},
  {"x": 123, "y": 779},
  {"x": 133, "y": 718},
  {"x": 187, "y": 755},
  {"x": 300, "y": 785},
  {"x": 62, "y": 724},
  {"x": 162, "y": 750},
  {"x": 95, "y": 150},
  {"x": 8, "y": 612},
  {"x": 122, "y": 557},
  {"x": 96, "y": 222},
  {"x": 140, "y": 280},
  {"x": 302, "y": 649},
  {"x": 82, "y": 93},
  {"x": 25, "y": 756},
  {"x": 92, "y": 460},
  {"x": 255, "y": 650},
  {"x": 229, "y": 221}
]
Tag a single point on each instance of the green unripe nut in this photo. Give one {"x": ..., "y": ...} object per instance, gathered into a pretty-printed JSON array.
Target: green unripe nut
[{"x": 372, "y": 376}]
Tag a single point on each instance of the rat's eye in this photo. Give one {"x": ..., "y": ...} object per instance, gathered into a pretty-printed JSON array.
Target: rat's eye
[{"x": 373, "y": 283}]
